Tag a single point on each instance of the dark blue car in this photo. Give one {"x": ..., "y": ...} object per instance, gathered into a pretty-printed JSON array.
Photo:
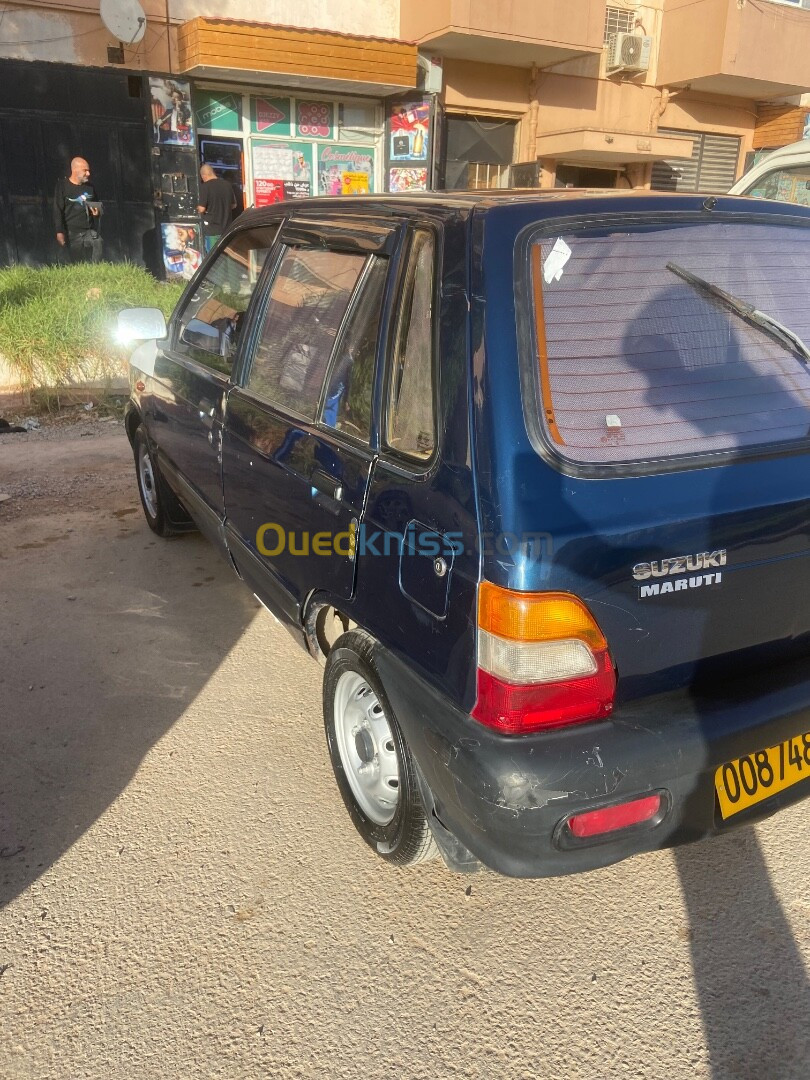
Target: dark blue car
[{"x": 529, "y": 475}]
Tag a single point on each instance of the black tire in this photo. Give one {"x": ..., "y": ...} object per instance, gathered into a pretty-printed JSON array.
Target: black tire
[
  {"x": 405, "y": 839},
  {"x": 151, "y": 487}
]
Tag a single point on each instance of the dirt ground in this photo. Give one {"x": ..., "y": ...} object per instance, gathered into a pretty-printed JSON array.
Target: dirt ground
[{"x": 183, "y": 895}]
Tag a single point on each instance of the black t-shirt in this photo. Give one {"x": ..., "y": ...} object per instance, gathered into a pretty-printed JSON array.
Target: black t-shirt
[
  {"x": 70, "y": 213},
  {"x": 217, "y": 198}
]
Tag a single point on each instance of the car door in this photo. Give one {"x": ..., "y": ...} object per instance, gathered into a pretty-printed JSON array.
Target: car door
[
  {"x": 193, "y": 372},
  {"x": 418, "y": 552},
  {"x": 297, "y": 453}
]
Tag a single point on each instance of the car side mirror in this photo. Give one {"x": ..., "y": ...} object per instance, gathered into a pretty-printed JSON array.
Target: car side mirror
[
  {"x": 201, "y": 335},
  {"x": 141, "y": 324}
]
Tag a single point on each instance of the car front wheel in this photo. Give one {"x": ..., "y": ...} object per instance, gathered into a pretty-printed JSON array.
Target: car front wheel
[{"x": 370, "y": 758}]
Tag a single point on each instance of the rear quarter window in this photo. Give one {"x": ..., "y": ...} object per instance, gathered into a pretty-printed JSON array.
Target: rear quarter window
[{"x": 634, "y": 363}]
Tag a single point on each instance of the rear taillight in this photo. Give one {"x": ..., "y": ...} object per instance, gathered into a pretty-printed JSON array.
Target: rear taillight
[{"x": 542, "y": 662}]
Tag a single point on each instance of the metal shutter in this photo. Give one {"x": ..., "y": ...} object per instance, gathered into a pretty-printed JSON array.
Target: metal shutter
[
  {"x": 713, "y": 165},
  {"x": 718, "y": 163}
]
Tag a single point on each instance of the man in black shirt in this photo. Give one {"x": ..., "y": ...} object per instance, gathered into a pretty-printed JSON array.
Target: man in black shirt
[
  {"x": 217, "y": 202},
  {"x": 75, "y": 216}
]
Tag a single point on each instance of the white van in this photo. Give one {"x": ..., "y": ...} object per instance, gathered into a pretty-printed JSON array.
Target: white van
[{"x": 783, "y": 175}]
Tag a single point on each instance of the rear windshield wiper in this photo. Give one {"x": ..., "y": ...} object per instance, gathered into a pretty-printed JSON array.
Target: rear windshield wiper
[{"x": 746, "y": 311}]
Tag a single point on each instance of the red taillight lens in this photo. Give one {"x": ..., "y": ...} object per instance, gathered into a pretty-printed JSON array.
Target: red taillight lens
[
  {"x": 519, "y": 710},
  {"x": 611, "y": 818},
  {"x": 542, "y": 662}
]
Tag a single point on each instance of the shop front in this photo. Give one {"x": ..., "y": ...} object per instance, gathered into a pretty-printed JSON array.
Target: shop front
[{"x": 273, "y": 145}]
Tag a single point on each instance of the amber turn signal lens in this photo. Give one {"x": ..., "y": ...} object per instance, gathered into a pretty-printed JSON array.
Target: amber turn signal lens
[{"x": 540, "y": 616}]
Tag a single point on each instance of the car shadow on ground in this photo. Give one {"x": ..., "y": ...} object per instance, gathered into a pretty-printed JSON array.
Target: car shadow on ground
[
  {"x": 108, "y": 635},
  {"x": 749, "y": 976}
]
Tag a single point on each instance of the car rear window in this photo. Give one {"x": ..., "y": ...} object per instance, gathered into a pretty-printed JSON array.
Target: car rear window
[{"x": 636, "y": 363}]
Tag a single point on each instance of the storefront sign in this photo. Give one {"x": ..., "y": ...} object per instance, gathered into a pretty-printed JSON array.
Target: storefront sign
[
  {"x": 337, "y": 162},
  {"x": 409, "y": 131},
  {"x": 171, "y": 112},
  {"x": 314, "y": 119},
  {"x": 270, "y": 116},
  {"x": 217, "y": 110}
]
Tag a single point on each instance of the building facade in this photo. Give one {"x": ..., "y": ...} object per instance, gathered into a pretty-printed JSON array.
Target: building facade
[{"x": 330, "y": 97}]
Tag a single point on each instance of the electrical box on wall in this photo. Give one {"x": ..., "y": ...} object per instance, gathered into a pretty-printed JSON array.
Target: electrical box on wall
[{"x": 430, "y": 73}]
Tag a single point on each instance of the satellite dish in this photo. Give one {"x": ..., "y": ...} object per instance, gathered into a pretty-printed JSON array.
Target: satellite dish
[{"x": 125, "y": 19}]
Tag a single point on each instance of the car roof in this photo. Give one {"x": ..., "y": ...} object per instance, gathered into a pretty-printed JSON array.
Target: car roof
[
  {"x": 796, "y": 149},
  {"x": 551, "y": 202}
]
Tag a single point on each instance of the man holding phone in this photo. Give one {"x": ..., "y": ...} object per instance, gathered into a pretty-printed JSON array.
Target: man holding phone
[{"x": 76, "y": 212}]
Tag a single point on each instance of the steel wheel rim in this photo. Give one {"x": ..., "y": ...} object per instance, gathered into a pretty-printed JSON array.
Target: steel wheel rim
[
  {"x": 366, "y": 747},
  {"x": 146, "y": 476}
]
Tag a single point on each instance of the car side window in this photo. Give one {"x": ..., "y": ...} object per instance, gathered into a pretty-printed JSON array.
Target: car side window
[
  {"x": 411, "y": 423},
  {"x": 208, "y": 328},
  {"x": 347, "y": 401},
  {"x": 791, "y": 185},
  {"x": 308, "y": 300}
]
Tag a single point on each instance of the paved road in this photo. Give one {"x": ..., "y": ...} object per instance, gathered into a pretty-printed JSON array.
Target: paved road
[{"x": 187, "y": 898}]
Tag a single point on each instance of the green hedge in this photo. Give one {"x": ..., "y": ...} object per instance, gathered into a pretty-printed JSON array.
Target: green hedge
[{"x": 57, "y": 324}]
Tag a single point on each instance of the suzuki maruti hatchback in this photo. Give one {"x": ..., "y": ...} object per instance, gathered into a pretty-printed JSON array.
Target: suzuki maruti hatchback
[{"x": 529, "y": 475}]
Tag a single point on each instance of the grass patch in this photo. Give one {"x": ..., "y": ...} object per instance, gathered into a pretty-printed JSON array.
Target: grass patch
[{"x": 57, "y": 324}]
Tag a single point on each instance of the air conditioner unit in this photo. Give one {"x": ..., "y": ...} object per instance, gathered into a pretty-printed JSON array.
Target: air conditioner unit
[{"x": 629, "y": 52}]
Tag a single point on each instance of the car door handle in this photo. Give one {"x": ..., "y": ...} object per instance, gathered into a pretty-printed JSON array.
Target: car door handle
[{"x": 327, "y": 485}]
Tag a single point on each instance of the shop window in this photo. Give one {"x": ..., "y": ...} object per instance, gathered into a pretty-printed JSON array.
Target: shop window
[
  {"x": 482, "y": 174},
  {"x": 479, "y": 151}
]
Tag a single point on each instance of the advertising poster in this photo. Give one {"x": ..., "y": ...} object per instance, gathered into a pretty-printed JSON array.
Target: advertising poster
[
  {"x": 216, "y": 109},
  {"x": 355, "y": 183},
  {"x": 182, "y": 250},
  {"x": 267, "y": 192},
  {"x": 409, "y": 131},
  {"x": 270, "y": 116},
  {"x": 280, "y": 171},
  {"x": 171, "y": 111},
  {"x": 402, "y": 179},
  {"x": 314, "y": 119},
  {"x": 355, "y": 163}
]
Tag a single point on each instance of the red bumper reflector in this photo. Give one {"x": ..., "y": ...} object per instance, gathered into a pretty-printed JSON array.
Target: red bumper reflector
[{"x": 611, "y": 818}]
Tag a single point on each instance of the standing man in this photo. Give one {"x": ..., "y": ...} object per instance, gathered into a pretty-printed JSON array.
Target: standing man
[
  {"x": 76, "y": 213},
  {"x": 217, "y": 203}
]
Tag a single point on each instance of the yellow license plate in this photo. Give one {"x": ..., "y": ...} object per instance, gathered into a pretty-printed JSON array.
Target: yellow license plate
[{"x": 755, "y": 777}]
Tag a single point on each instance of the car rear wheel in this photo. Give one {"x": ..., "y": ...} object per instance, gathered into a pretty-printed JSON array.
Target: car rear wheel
[
  {"x": 150, "y": 487},
  {"x": 372, "y": 763}
]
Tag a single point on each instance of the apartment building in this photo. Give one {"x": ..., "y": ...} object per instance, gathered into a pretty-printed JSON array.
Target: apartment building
[{"x": 328, "y": 97}]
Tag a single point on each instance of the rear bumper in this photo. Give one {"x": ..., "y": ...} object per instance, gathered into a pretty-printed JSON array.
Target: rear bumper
[{"x": 505, "y": 799}]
